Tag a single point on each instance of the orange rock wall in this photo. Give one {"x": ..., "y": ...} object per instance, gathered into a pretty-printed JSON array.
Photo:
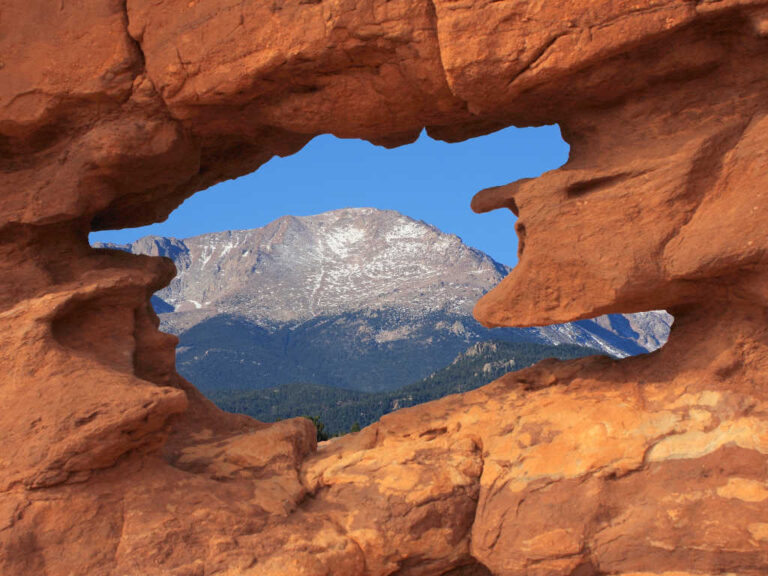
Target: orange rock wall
[{"x": 113, "y": 112}]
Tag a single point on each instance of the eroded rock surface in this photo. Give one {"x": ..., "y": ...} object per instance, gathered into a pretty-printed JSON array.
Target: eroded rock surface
[{"x": 112, "y": 113}]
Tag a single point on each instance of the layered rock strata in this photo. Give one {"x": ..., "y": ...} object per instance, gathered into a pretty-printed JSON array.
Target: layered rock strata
[{"x": 112, "y": 113}]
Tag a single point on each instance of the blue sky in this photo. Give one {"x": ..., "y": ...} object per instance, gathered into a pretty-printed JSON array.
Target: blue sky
[{"x": 427, "y": 180}]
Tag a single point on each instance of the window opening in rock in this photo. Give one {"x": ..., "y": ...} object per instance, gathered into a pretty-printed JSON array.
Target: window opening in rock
[{"x": 338, "y": 283}]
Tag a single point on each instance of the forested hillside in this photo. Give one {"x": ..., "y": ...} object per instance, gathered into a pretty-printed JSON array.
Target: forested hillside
[{"x": 341, "y": 409}]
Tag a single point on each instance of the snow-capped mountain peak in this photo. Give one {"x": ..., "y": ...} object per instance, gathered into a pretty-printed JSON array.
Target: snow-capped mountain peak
[{"x": 358, "y": 260}]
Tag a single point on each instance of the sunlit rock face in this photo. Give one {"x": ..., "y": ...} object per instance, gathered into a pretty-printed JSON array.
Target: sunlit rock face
[{"x": 111, "y": 113}]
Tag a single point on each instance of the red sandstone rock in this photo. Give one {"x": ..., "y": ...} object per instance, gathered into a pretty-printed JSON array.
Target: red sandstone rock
[{"x": 112, "y": 113}]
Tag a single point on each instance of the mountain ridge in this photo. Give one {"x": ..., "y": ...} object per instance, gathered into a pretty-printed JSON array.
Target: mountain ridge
[
  {"x": 353, "y": 297},
  {"x": 347, "y": 259}
]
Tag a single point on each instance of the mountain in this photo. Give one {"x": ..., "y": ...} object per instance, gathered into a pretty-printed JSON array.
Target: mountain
[
  {"x": 360, "y": 298},
  {"x": 298, "y": 268},
  {"x": 341, "y": 409}
]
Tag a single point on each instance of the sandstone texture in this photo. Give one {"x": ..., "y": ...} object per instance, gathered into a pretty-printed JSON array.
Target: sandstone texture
[{"x": 113, "y": 112}]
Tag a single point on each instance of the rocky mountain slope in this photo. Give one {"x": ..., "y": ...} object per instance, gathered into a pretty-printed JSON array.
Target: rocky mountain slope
[
  {"x": 298, "y": 268},
  {"x": 361, "y": 298}
]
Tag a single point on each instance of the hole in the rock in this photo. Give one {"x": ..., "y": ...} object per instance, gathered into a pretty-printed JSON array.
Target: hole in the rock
[{"x": 302, "y": 303}]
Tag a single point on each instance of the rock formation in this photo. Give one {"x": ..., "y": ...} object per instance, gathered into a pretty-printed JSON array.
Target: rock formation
[{"x": 113, "y": 112}]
